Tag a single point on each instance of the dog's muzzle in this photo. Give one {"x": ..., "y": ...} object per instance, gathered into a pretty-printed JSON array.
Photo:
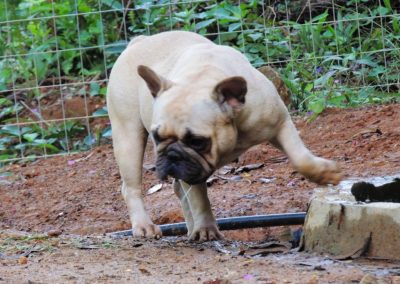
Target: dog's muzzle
[{"x": 182, "y": 163}]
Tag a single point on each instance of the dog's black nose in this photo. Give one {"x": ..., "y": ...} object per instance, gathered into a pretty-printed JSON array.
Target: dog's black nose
[{"x": 174, "y": 156}]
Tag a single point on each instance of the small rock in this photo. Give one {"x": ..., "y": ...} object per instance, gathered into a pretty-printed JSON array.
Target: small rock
[
  {"x": 250, "y": 196},
  {"x": 395, "y": 279},
  {"x": 149, "y": 167},
  {"x": 54, "y": 233},
  {"x": 31, "y": 174},
  {"x": 23, "y": 260},
  {"x": 319, "y": 268},
  {"x": 266, "y": 180},
  {"x": 236, "y": 178},
  {"x": 313, "y": 280},
  {"x": 370, "y": 279},
  {"x": 144, "y": 270}
]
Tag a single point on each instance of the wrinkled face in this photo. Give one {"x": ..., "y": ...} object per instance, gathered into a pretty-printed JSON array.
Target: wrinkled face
[
  {"x": 193, "y": 126},
  {"x": 190, "y": 137}
]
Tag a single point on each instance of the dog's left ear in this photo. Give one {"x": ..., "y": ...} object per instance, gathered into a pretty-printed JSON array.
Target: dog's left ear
[
  {"x": 231, "y": 91},
  {"x": 155, "y": 82}
]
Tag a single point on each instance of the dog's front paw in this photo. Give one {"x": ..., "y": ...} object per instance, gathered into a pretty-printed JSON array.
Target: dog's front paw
[
  {"x": 206, "y": 233},
  {"x": 322, "y": 171},
  {"x": 146, "y": 230}
]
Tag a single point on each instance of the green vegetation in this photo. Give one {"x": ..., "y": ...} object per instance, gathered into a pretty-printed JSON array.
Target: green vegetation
[{"x": 342, "y": 55}]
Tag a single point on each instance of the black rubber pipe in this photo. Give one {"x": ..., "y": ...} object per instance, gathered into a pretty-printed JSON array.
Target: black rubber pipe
[{"x": 233, "y": 223}]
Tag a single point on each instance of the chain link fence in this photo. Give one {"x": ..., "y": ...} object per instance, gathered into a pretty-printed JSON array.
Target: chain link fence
[{"x": 55, "y": 57}]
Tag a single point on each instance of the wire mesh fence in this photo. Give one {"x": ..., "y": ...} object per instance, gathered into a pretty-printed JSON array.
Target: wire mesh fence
[{"x": 55, "y": 57}]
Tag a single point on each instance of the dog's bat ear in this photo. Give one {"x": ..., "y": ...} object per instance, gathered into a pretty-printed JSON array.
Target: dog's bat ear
[
  {"x": 231, "y": 91},
  {"x": 155, "y": 82}
]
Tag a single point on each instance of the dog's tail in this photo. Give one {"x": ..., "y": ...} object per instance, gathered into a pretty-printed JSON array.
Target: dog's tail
[{"x": 136, "y": 39}]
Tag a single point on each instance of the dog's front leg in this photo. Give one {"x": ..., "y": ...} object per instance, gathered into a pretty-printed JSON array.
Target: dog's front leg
[
  {"x": 129, "y": 144},
  {"x": 187, "y": 213},
  {"x": 319, "y": 170},
  {"x": 203, "y": 227}
]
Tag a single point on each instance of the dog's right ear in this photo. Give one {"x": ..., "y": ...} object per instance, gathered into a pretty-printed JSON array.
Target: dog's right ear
[{"x": 155, "y": 82}]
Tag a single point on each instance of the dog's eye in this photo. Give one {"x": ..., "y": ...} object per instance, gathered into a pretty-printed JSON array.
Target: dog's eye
[
  {"x": 199, "y": 144},
  {"x": 156, "y": 137}
]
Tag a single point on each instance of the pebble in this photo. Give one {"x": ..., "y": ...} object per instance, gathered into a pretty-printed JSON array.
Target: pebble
[
  {"x": 370, "y": 279},
  {"x": 23, "y": 260},
  {"x": 54, "y": 233}
]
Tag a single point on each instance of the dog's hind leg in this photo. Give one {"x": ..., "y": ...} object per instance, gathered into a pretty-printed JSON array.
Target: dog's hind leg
[{"x": 316, "y": 169}]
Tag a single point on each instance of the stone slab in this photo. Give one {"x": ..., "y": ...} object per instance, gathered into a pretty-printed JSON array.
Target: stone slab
[{"x": 338, "y": 225}]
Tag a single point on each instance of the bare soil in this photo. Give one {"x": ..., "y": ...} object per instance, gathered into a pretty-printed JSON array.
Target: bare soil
[{"x": 80, "y": 195}]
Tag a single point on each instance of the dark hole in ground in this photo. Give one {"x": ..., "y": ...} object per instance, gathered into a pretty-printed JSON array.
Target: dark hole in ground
[{"x": 388, "y": 192}]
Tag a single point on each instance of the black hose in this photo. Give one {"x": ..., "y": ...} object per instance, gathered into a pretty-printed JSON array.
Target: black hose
[{"x": 233, "y": 223}]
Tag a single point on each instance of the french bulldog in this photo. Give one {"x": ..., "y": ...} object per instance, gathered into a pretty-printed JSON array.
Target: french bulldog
[{"x": 203, "y": 105}]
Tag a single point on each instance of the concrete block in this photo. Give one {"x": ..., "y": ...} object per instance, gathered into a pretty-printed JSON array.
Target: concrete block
[{"x": 338, "y": 225}]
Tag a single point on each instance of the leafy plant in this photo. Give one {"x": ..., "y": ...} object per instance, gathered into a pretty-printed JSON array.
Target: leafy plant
[{"x": 328, "y": 57}]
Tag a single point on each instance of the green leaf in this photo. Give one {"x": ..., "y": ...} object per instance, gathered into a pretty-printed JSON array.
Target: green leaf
[
  {"x": 331, "y": 58},
  {"x": 89, "y": 140},
  {"x": 101, "y": 112},
  {"x": 5, "y": 102},
  {"x": 6, "y": 157},
  {"x": 106, "y": 132},
  {"x": 223, "y": 14},
  {"x": 309, "y": 87},
  {"x": 321, "y": 81},
  {"x": 11, "y": 129},
  {"x": 366, "y": 61},
  {"x": 44, "y": 144},
  {"x": 103, "y": 91},
  {"x": 234, "y": 26},
  {"x": 204, "y": 24},
  {"x": 320, "y": 18},
  {"x": 255, "y": 36},
  {"x": 383, "y": 11},
  {"x": 337, "y": 100},
  {"x": 377, "y": 71},
  {"x": 66, "y": 66},
  {"x": 94, "y": 89},
  {"x": 317, "y": 105},
  {"x": 30, "y": 137},
  {"x": 116, "y": 47},
  {"x": 115, "y": 4},
  {"x": 387, "y": 4},
  {"x": 339, "y": 68}
]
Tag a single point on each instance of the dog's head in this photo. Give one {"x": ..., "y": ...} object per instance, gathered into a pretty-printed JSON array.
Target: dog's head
[{"x": 193, "y": 125}]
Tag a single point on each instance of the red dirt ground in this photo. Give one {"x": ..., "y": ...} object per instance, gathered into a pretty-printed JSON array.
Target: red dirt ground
[{"x": 83, "y": 197}]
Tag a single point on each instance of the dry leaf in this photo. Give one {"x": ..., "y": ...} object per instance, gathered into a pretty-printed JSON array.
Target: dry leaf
[
  {"x": 248, "y": 168},
  {"x": 154, "y": 188}
]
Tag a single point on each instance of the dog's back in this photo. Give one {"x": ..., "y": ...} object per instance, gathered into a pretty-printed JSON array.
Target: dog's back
[{"x": 161, "y": 49}]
